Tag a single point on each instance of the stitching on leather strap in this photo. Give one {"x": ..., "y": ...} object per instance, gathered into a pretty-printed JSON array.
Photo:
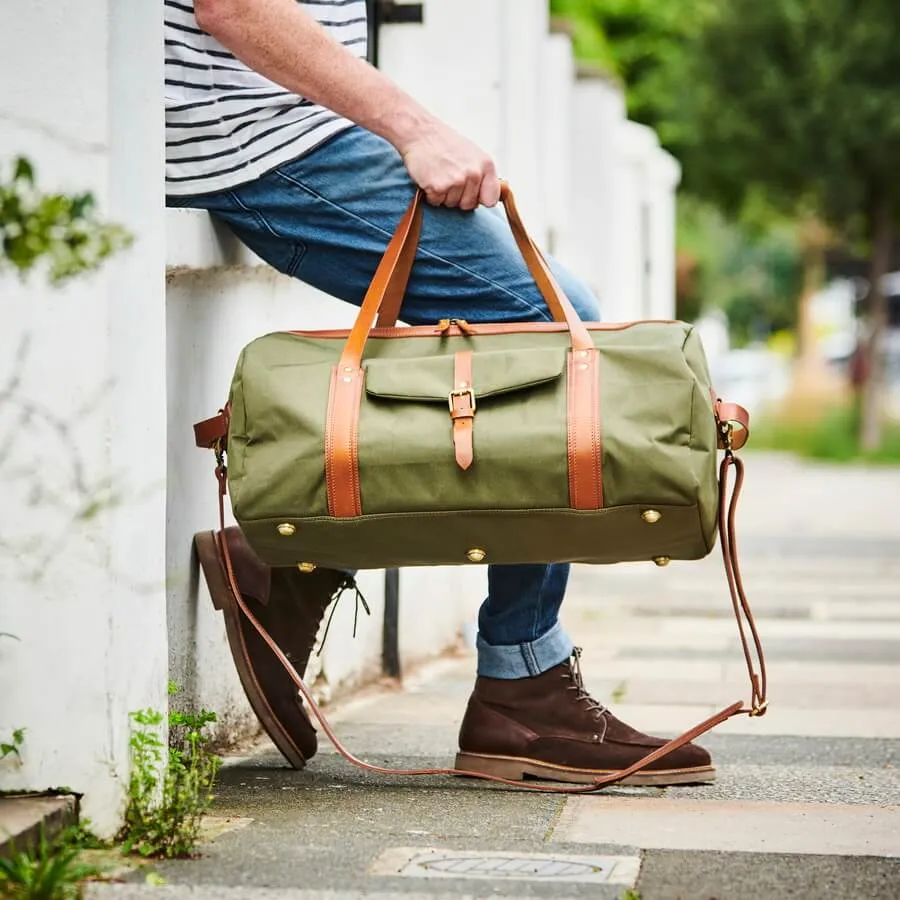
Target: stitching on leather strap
[
  {"x": 462, "y": 409},
  {"x": 583, "y": 427},
  {"x": 570, "y": 431},
  {"x": 341, "y": 443}
]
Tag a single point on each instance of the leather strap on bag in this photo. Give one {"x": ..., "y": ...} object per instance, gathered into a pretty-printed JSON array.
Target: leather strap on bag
[
  {"x": 743, "y": 615},
  {"x": 342, "y": 424},
  {"x": 462, "y": 409}
]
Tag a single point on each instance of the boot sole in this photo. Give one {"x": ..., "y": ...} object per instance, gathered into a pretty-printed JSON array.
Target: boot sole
[
  {"x": 518, "y": 769},
  {"x": 220, "y": 592}
]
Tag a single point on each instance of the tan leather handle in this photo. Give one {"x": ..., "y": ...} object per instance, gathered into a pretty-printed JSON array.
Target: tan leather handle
[
  {"x": 392, "y": 275},
  {"x": 537, "y": 266}
]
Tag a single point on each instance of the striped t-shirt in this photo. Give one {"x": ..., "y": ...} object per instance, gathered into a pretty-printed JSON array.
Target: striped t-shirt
[{"x": 225, "y": 123}]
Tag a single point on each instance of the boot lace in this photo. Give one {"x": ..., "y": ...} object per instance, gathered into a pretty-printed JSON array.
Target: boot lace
[
  {"x": 348, "y": 584},
  {"x": 576, "y": 679}
]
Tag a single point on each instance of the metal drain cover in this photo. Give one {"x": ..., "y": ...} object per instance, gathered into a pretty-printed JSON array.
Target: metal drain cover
[{"x": 419, "y": 862}]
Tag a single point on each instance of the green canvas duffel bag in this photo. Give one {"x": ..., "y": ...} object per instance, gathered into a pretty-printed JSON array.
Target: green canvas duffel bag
[
  {"x": 536, "y": 442},
  {"x": 499, "y": 443}
]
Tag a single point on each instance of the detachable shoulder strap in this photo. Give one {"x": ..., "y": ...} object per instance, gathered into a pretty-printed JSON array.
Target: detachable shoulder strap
[{"x": 209, "y": 435}]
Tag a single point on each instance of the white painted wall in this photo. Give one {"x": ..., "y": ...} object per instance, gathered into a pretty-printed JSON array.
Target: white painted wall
[
  {"x": 91, "y": 627},
  {"x": 119, "y": 606},
  {"x": 557, "y": 102}
]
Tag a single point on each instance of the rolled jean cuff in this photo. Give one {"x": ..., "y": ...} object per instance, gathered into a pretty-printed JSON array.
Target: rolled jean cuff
[{"x": 524, "y": 660}]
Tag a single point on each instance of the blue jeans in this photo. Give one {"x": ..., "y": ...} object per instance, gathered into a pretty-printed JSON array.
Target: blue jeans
[{"x": 326, "y": 219}]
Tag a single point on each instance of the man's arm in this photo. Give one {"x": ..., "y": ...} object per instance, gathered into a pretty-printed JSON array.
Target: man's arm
[{"x": 279, "y": 40}]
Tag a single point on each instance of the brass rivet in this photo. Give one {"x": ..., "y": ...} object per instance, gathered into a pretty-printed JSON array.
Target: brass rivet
[
  {"x": 306, "y": 567},
  {"x": 651, "y": 516},
  {"x": 348, "y": 368},
  {"x": 464, "y": 384},
  {"x": 582, "y": 353},
  {"x": 476, "y": 555},
  {"x": 347, "y": 379},
  {"x": 583, "y": 365},
  {"x": 662, "y": 560},
  {"x": 285, "y": 529}
]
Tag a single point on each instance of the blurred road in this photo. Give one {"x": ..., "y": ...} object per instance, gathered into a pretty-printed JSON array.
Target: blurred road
[{"x": 807, "y": 803}]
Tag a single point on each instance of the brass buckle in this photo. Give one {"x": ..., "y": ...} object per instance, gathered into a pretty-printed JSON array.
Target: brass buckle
[
  {"x": 461, "y": 392},
  {"x": 727, "y": 431}
]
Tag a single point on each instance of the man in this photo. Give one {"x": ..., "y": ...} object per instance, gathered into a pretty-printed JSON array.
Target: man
[{"x": 277, "y": 126}]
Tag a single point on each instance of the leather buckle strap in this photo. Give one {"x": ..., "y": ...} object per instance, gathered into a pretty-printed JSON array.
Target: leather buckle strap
[
  {"x": 466, "y": 408},
  {"x": 212, "y": 433},
  {"x": 462, "y": 409}
]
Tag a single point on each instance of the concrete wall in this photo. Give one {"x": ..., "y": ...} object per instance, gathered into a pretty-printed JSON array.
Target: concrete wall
[
  {"x": 121, "y": 363},
  {"x": 83, "y": 590}
]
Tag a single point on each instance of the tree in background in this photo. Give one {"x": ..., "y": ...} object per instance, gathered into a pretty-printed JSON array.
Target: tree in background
[
  {"x": 746, "y": 268},
  {"x": 798, "y": 102}
]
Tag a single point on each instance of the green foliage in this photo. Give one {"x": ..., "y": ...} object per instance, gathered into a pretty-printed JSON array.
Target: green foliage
[
  {"x": 61, "y": 230},
  {"x": 13, "y": 747},
  {"x": 753, "y": 274},
  {"x": 168, "y": 792},
  {"x": 831, "y": 437},
  {"x": 795, "y": 98},
  {"x": 51, "y": 871},
  {"x": 642, "y": 42}
]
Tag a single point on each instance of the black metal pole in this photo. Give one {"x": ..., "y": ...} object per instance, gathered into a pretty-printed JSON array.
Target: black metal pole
[{"x": 390, "y": 640}]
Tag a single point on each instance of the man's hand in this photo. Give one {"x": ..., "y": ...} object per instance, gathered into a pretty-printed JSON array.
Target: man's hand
[
  {"x": 280, "y": 40},
  {"x": 451, "y": 169}
]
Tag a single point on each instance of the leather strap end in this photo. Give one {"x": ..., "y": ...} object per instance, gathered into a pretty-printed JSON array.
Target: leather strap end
[
  {"x": 736, "y": 416},
  {"x": 210, "y": 432},
  {"x": 462, "y": 409}
]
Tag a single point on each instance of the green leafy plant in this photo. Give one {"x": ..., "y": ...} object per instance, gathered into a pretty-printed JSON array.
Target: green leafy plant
[
  {"x": 61, "y": 230},
  {"x": 50, "y": 871},
  {"x": 13, "y": 747},
  {"x": 832, "y": 436},
  {"x": 169, "y": 790}
]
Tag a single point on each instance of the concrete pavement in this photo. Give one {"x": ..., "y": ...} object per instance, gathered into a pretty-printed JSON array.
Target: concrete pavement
[{"x": 807, "y": 804}]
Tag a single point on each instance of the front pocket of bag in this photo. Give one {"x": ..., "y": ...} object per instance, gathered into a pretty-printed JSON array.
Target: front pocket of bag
[{"x": 406, "y": 453}]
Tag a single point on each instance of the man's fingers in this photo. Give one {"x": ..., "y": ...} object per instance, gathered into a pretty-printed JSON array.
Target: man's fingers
[
  {"x": 435, "y": 198},
  {"x": 490, "y": 190},
  {"x": 471, "y": 193},
  {"x": 453, "y": 196}
]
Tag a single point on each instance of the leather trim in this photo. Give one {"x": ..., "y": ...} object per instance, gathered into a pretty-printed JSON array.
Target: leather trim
[
  {"x": 732, "y": 414},
  {"x": 397, "y": 283},
  {"x": 342, "y": 442},
  {"x": 209, "y": 432},
  {"x": 583, "y": 430},
  {"x": 462, "y": 409},
  {"x": 493, "y": 328}
]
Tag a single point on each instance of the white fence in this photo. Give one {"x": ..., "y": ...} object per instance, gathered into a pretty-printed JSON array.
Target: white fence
[{"x": 105, "y": 604}]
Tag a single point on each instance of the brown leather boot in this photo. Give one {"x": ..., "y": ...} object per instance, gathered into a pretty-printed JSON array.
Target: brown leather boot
[
  {"x": 549, "y": 727},
  {"x": 290, "y": 605}
]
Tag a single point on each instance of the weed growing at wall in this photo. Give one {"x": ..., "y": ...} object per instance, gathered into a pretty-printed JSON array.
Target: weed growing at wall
[
  {"x": 169, "y": 789},
  {"x": 60, "y": 230},
  {"x": 13, "y": 747},
  {"x": 50, "y": 871}
]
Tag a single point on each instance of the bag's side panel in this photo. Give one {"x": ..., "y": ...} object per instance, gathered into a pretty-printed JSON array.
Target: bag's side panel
[
  {"x": 237, "y": 430},
  {"x": 284, "y": 393},
  {"x": 646, "y": 413},
  {"x": 704, "y": 440}
]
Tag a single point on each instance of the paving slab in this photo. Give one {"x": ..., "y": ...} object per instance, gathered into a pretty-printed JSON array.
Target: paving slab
[
  {"x": 220, "y": 892},
  {"x": 749, "y": 826},
  {"x": 24, "y": 819},
  {"x": 689, "y": 875}
]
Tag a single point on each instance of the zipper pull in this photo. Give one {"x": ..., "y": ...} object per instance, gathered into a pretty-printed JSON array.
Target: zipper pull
[{"x": 447, "y": 326}]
